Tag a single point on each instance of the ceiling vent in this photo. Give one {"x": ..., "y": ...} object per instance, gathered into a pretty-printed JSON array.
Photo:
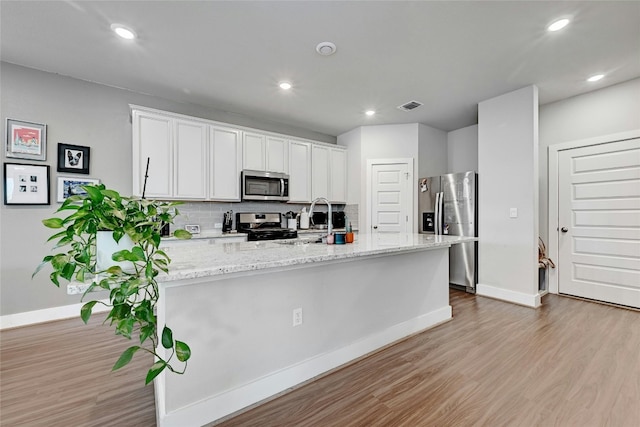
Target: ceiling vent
[{"x": 411, "y": 105}]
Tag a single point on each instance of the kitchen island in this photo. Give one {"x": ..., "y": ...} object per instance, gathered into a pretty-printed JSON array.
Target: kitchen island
[{"x": 235, "y": 304}]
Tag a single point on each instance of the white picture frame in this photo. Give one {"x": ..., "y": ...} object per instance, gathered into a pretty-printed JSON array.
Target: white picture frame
[{"x": 68, "y": 186}]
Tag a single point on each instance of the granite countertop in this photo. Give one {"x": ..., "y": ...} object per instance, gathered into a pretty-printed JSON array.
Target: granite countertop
[
  {"x": 208, "y": 234},
  {"x": 199, "y": 258}
]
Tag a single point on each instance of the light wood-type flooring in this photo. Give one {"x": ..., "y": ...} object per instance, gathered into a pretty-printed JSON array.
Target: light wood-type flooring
[{"x": 569, "y": 363}]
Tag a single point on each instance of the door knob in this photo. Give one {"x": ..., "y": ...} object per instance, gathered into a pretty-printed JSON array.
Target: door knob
[
  {"x": 564, "y": 229},
  {"x": 375, "y": 227}
]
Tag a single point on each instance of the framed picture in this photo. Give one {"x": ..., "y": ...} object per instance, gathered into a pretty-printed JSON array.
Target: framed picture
[
  {"x": 73, "y": 158},
  {"x": 26, "y": 140},
  {"x": 69, "y": 186},
  {"x": 26, "y": 184}
]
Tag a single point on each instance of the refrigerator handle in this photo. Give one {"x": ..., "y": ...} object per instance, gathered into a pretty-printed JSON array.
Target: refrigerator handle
[
  {"x": 441, "y": 213},
  {"x": 437, "y": 214}
]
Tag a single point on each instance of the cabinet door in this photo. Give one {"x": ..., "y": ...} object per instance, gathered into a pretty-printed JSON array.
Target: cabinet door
[
  {"x": 299, "y": 171},
  {"x": 225, "y": 164},
  {"x": 253, "y": 149},
  {"x": 320, "y": 172},
  {"x": 277, "y": 155},
  {"x": 152, "y": 141},
  {"x": 338, "y": 175},
  {"x": 190, "y": 160}
]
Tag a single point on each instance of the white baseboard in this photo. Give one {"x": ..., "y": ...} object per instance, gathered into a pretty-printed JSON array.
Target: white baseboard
[
  {"x": 221, "y": 405},
  {"x": 529, "y": 300},
  {"x": 46, "y": 315}
]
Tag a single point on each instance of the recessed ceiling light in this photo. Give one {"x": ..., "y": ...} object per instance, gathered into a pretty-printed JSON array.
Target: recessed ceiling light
[
  {"x": 595, "y": 78},
  {"x": 285, "y": 85},
  {"x": 124, "y": 32},
  {"x": 558, "y": 25},
  {"x": 370, "y": 112},
  {"x": 326, "y": 48}
]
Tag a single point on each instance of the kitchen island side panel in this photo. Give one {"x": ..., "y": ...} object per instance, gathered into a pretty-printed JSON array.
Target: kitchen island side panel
[{"x": 245, "y": 349}]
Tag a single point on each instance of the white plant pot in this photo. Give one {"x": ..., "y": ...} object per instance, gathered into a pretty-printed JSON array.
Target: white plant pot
[{"x": 106, "y": 247}]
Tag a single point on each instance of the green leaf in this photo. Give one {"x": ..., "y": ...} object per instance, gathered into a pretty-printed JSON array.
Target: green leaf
[
  {"x": 155, "y": 370},
  {"x": 68, "y": 270},
  {"x": 93, "y": 193},
  {"x": 138, "y": 253},
  {"x": 182, "y": 234},
  {"x": 125, "y": 357},
  {"x": 85, "y": 311},
  {"x": 54, "y": 278},
  {"x": 167, "y": 338},
  {"x": 44, "y": 262},
  {"x": 183, "y": 352},
  {"x": 52, "y": 222},
  {"x": 146, "y": 331}
]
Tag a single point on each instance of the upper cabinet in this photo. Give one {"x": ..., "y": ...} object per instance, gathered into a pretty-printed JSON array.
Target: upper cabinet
[
  {"x": 171, "y": 154},
  {"x": 263, "y": 152},
  {"x": 197, "y": 159},
  {"x": 225, "y": 164},
  {"x": 299, "y": 172},
  {"x": 329, "y": 175}
]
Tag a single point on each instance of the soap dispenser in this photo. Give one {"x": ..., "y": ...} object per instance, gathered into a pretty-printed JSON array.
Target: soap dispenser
[{"x": 304, "y": 219}]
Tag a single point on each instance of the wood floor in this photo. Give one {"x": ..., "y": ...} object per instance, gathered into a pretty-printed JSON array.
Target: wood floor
[{"x": 569, "y": 363}]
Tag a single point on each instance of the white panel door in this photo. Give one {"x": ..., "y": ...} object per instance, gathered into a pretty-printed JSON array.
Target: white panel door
[
  {"x": 390, "y": 198},
  {"x": 191, "y": 160},
  {"x": 277, "y": 155},
  {"x": 599, "y": 219},
  {"x": 152, "y": 141},
  {"x": 253, "y": 152},
  {"x": 320, "y": 172},
  {"x": 299, "y": 171},
  {"x": 225, "y": 164}
]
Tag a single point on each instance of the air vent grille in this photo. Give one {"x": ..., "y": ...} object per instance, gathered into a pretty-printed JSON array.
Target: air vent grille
[{"x": 411, "y": 105}]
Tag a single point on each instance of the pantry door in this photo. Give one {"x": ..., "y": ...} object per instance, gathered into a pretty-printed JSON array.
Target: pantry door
[
  {"x": 389, "y": 196},
  {"x": 599, "y": 221}
]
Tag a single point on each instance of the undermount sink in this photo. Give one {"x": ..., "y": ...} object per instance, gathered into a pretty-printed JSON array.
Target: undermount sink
[{"x": 297, "y": 242}]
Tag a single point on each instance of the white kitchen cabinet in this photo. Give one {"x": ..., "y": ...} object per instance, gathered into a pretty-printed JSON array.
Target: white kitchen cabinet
[
  {"x": 277, "y": 153},
  {"x": 176, "y": 149},
  {"x": 320, "y": 172},
  {"x": 152, "y": 140},
  {"x": 329, "y": 175},
  {"x": 338, "y": 175},
  {"x": 190, "y": 151},
  {"x": 254, "y": 153},
  {"x": 299, "y": 172},
  {"x": 225, "y": 163},
  {"x": 264, "y": 153}
]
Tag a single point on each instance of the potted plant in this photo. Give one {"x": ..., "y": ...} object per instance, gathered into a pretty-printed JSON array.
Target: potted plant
[{"x": 133, "y": 291}]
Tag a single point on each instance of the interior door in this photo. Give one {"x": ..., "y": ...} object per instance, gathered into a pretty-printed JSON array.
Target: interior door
[
  {"x": 599, "y": 220},
  {"x": 391, "y": 201}
]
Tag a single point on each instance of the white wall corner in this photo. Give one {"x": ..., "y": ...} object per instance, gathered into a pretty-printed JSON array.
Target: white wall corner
[{"x": 520, "y": 298}]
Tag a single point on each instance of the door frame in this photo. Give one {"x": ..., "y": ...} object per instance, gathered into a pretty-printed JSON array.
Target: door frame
[
  {"x": 553, "y": 172},
  {"x": 394, "y": 161}
]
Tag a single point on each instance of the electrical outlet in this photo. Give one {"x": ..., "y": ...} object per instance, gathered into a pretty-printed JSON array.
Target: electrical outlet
[
  {"x": 217, "y": 225},
  {"x": 297, "y": 316},
  {"x": 513, "y": 213},
  {"x": 192, "y": 228}
]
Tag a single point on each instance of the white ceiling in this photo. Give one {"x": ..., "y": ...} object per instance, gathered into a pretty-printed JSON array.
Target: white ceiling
[{"x": 231, "y": 55}]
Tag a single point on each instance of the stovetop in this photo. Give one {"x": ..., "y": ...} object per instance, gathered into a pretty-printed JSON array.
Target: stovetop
[{"x": 263, "y": 226}]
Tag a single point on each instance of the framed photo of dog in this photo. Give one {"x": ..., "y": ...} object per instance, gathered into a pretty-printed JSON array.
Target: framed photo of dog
[{"x": 73, "y": 158}]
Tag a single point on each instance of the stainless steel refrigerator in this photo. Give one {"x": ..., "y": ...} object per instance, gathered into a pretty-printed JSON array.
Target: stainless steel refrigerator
[{"x": 447, "y": 204}]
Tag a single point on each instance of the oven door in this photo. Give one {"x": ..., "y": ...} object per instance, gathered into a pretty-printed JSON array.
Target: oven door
[{"x": 258, "y": 185}]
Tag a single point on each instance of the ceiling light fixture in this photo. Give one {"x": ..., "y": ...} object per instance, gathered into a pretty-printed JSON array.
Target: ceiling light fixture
[
  {"x": 326, "y": 48},
  {"x": 595, "y": 78},
  {"x": 284, "y": 85},
  {"x": 124, "y": 32},
  {"x": 558, "y": 25},
  {"x": 370, "y": 112}
]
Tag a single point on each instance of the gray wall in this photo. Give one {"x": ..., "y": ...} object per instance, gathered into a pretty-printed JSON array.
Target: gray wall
[
  {"x": 82, "y": 113},
  {"x": 462, "y": 149},
  {"x": 606, "y": 111}
]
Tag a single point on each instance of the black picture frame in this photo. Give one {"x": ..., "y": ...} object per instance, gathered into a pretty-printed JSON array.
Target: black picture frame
[
  {"x": 26, "y": 184},
  {"x": 73, "y": 158}
]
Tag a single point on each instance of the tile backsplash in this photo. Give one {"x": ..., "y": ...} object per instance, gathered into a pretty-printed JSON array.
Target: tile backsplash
[{"x": 207, "y": 214}]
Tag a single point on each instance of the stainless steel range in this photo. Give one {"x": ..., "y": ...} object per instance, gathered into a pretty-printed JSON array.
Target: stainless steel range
[{"x": 263, "y": 226}]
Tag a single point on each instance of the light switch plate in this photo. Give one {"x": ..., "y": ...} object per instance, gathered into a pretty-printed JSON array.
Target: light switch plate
[
  {"x": 513, "y": 213},
  {"x": 193, "y": 228}
]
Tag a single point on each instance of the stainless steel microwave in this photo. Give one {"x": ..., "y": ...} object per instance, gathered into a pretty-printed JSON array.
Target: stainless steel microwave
[{"x": 259, "y": 185}]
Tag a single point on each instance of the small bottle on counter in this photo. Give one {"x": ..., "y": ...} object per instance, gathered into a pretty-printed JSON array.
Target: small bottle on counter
[{"x": 330, "y": 239}]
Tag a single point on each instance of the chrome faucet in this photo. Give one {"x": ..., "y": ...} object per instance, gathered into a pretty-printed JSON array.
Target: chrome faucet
[{"x": 322, "y": 199}]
